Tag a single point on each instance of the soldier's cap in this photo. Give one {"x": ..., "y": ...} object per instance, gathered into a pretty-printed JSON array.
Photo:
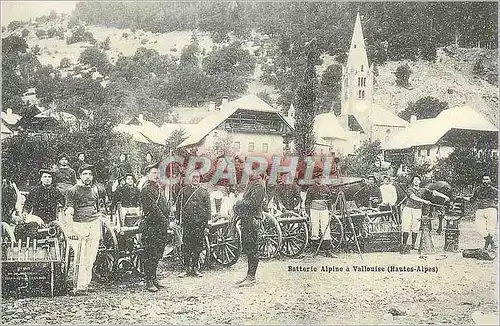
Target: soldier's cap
[
  {"x": 148, "y": 168},
  {"x": 78, "y": 154},
  {"x": 371, "y": 176},
  {"x": 61, "y": 156},
  {"x": 85, "y": 167},
  {"x": 124, "y": 177},
  {"x": 48, "y": 171}
]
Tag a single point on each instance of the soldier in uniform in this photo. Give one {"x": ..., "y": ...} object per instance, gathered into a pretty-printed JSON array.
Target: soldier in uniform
[
  {"x": 369, "y": 195},
  {"x": 287, "y": 195},
  {"x": 193, "y": 210},
  {"x": 42, "y": 200},
  {"x": 129, "y": 197},
  {"x": 85, "y": 204},
  {"x": 318, "y": 204},
  {"x": 250, "y": 209},
  {"x": 486, "y": 215},
  {"x": 65, "y": 176},
  {"x": 154, "y": 226},
  {"x": 79, "y": 163}
]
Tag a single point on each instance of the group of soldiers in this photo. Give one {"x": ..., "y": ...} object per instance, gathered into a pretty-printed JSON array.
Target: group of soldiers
[{"x": 84, "y": 202}]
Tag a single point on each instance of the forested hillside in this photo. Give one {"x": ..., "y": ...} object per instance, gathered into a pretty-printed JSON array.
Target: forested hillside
[{"x": 151, "y": 57}]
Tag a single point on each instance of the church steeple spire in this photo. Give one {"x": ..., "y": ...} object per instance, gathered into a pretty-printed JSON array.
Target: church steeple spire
[{"x": 357, "y": 59}]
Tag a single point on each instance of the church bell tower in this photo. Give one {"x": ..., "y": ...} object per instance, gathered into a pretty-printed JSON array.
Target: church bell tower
[{"x": 357, "y": 82}]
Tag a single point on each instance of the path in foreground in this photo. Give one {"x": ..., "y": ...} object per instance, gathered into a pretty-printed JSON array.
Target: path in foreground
[{"x": 460, "y": 289}]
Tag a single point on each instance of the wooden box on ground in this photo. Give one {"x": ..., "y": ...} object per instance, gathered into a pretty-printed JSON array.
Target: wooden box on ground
[
  {"x": 382, "y": 237},
  {"x": 32, "y": 279}
]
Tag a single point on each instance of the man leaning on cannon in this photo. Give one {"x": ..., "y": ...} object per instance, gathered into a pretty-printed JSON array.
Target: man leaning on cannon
[
  {"x": 154, "y": 226},
  {"x": 193, "y": 211}
]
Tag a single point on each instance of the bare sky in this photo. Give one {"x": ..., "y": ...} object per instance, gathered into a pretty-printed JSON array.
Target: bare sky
[{"x": 25, "y": 10}]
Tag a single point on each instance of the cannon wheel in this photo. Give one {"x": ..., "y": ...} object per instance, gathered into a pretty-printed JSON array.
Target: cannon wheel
[
  {"x": 107, "y": 254},
  {"x": 270, "y": 237},
  {"x": 226, "y": 248},
  {"x": 336, "y": 231},
  {"x": 295, "y": 235},
  {"x": 8, "y": 233},
  {"x": 136, "y": 254}
]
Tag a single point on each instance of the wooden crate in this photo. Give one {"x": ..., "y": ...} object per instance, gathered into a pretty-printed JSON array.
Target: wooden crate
[
  {"x": 32, "y": 278},
  {"x": 382, "y": 242}
]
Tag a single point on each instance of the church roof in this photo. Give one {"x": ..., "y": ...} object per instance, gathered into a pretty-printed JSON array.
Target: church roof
[
  {"x": 430, "y": 131},
  {"x": 327, "y": 125},
  {"x": 383, "y": 117}
]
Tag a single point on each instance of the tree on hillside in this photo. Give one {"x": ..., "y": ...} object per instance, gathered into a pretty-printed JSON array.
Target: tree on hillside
[
  {"x": 40, "y": 33},
  {"x": 65, "y": 63},
  {"x": 306, "y": 108},
  {"x": 425, "y": 108},
  {"x": 329, "y": 88},
  {"x": 25, "y": 32},
  {"x": 189, "y": 54},
  {"x": 402, "y": 74},
  {"x": 15, "y": 24},
  {"x": 93, "y": 57}
]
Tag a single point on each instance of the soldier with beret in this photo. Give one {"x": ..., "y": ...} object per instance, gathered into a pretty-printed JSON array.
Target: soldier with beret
[
  {"x": 250, "y": 209},
  {"x": 43, "y": 199},
  {"x": 193, "y": 210},
  {"x": 154, "y": 226},
  {"x": 65, "y": 176}
]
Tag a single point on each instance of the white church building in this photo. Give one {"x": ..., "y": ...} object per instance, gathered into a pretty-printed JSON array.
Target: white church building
[{"x": 361, "y": 119}]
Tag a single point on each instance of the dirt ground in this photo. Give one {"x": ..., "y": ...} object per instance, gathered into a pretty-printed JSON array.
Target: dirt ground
[{"x": 462, "y": 291}]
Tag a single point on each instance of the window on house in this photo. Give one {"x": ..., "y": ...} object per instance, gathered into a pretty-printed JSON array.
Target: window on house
[
  {"x": 363, "y": 81},
  {"x": 359, "y": 94},
  {"x": 359, "y": 81},
  {"x": 428, "y": 152},
  {"x": 237, "y": 146},
  {"x": 265, "y": 147},
  {"x": 251, "y": 147},
  {"x": 362, "y": 68},
  {"x": 419, "y": 152},
  {"x": 362, "y": 94}
]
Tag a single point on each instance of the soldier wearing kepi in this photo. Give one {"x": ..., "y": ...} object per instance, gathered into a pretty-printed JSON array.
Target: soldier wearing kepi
[
  {"x": 42, "y": 201},
  {"x": 249, "y": 209},
  {"x": 193, "y": 210},
  {"x": 154, "y": 226},
  {"x": 486, "y": 215}
]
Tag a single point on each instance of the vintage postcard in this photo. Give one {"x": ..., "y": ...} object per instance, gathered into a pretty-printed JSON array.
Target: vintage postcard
[{"x": 240, "y": 162}]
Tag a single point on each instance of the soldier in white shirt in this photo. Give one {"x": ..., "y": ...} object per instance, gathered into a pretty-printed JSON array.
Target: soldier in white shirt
[{"x": 389, "y": 196}]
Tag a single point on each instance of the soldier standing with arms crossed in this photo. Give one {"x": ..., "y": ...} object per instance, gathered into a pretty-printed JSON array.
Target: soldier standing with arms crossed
[
  {"x": 154, "y": 226},
  {"x": 249, "y": 209}
]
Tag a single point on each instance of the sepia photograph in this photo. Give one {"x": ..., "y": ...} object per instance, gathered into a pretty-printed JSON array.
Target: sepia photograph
[{"x": 249, "y": 163}]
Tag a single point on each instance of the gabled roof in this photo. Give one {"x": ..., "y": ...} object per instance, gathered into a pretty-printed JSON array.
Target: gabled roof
[
  {"x": 327, "y": 125},
  {"x": 430, "y": 131},
  {"x": 10, "y": 119},
  {"x": 213, "y": 120},
  {"x": 4, "y": 128},
  {"x": 142, "y": 130},
  {"x": 383, "y": 117}
]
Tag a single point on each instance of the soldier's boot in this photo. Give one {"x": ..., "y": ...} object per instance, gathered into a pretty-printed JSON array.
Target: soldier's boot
[
  {"x": 157, "y": 284},
  {"x": 253, "y": 263},
  {"x": 194, "y": 265},
  {"x": 151, "y": 287},
  {"x": 414, "y": 240},
  {"x": 187, "y": 272}
]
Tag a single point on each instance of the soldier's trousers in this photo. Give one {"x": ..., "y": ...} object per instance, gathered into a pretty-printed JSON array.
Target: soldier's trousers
[
  {"x": 250, "y": 228},
  {"x": 192, "y": 244},
  {"x": 154, "y": 246}
]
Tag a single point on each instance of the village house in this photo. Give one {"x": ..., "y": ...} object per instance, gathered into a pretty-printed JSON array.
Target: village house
[
  {"x": 429, "y": 140},
  {"x": 244, "y": 127}
]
